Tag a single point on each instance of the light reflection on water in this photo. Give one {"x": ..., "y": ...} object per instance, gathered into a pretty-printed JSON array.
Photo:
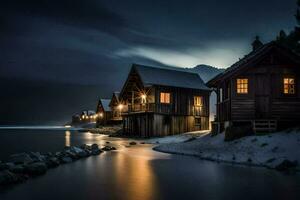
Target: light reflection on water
[
  {"x": 136, "y": 173},
  {"x": 67, "y": 138},
  {"x": 139, "y": 173}
]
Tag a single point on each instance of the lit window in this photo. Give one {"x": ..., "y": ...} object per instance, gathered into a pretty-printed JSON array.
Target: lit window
[
  {"x": 164, "y": 97},
  {"x": 242, "y": 86},
  {"x": 289, "y": 86},
  {"x": 197, "y": 101}
]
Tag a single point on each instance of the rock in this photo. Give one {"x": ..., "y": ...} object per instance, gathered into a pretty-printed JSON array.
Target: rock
[
  {"x": 59, "y": 154},
  {"x": 21, "y": 158},
  {"x": 132, "y": 143},
  {"x": 52, "y": 162},
  {"x": 37, "y": 157},
  {"x": 108, "y": 148},
  {"x": 142, "y": 143},
  {"x": 96, "y": 152},
  {"x": 88, "y": 152},
  {"x": 37, "y": 168},
  {"x": 94, "y": 146},
  {"x": 85, "y": 147},
  {"x": 5, "y": 166},
  {"x": 79, "y": 152},
  {"x": 17, "y": 169},
  {"x": 7, "y": 178},
  {"x": 66, "y": 159},
  {"x": 270, "y": 160},
  {"x": 264, "y": 144},
  {"x": 71, "y": 154},
  {"x": 274, "y": 150},
  {"x": 107, "y": 142},
  {"x": 286, "y": 165}
]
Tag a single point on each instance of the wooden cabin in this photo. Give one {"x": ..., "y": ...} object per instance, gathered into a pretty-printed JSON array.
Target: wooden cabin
[
  {"x": 103, "y": 111},
  {"x": 261, "y": 90},
  {"x": 159, "y": 102},
  {"x": 116, "y": 106}
]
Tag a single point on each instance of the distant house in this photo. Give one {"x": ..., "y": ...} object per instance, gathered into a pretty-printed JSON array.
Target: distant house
[
  {"x": 261, "y": 90},
  {"x": 161, "y": 102},
  {"x": 103, "y": 111},
  {"x": 87, "y": 116},
  {"x": 116, "y": 107}
]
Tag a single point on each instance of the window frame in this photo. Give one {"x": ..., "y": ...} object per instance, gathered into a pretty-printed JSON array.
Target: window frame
[
  {"x": 164, "y": 97},
  {"x": 289, "y": 84},
  {"x": 242, "y": 86},
  {"x": 196, "y": 98}
]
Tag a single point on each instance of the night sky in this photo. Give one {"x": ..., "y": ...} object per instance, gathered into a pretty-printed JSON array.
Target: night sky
[{"x": 93, "y": 42}]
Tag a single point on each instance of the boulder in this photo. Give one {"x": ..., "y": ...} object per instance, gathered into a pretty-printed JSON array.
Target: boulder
[
  {"x": 286, "y": 165},
  {"x": 132, "y": 143},
  {"x": 108, "y": 148},
  {"x": 85, "y": 147},
  {"x": 94, "y": 146},
  {"x": 59, "y": 154},
  {"x": 17, "y": 169},
  {"x": 21, "y": 158},
  {"x": 71, "y": 154},
  {"x": 5, "y": 166},
  {"x": 35, "y": 169},
  {"x": 66, "y": 159},
  {"x": 37, "y": 157},
  {"x": 7, "y": 178},
  {"x": 52, "y": 162},
  {"x": 79, "y": 152},
  {"x": 88, "y": 152},
  {"x": 96, "y": 152}
]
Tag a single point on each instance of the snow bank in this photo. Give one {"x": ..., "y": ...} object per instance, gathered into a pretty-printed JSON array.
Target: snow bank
[{"x": 268, "y": 150}]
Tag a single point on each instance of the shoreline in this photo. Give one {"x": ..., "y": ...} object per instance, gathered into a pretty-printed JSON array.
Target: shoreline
[
  {"x": 243, "y": 151},
  {"x": 211, "y": 159}
]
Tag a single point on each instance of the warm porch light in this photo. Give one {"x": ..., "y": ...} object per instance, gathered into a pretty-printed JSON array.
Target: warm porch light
[
  {"x": 143, "y": 97},
  {"x": 101, "y": 115},
  {"x": 120, "y": 106}
]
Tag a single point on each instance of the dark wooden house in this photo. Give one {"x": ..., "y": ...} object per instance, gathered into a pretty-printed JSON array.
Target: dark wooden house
[
  {"x": 261, "y": 90},
  {"x": 103, "y": 112},
  {"x": 116, "y": 107},
  {"x": 160, "y": 102}
]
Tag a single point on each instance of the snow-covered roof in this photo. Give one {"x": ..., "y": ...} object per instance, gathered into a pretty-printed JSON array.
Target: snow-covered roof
[
  {"x": 105, "y": 104},
  {"x": 168, "y": 77},
  {"x": 88, "y": 112}
]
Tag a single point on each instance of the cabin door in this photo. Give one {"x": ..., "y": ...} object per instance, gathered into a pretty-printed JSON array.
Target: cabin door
[{"x": 262, "y": 96}]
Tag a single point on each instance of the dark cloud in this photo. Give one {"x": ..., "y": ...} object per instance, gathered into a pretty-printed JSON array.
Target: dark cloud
[
  {"x": 72, "y": 45},
  {"x": 86, "y": 14}
]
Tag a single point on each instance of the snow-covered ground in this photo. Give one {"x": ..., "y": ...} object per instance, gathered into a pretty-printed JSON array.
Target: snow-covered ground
[
  {"x": 176, "y": 138},
  {"x": 268, "y": 150}
]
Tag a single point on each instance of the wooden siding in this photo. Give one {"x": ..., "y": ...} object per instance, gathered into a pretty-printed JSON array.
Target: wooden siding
[
  {"x": 150, "y": 124},
  {"x": 265, "y": 98}
]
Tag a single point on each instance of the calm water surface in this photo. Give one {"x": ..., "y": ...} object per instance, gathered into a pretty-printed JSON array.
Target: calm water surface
[{"x": 138, "y": 173}]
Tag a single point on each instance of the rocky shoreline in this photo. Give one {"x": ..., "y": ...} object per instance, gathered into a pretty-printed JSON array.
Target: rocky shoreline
[{"x": 22, "y": 166}]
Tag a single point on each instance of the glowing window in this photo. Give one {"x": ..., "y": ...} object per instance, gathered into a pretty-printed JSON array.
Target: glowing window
[
  {"x": 198, "y": 101},
  {"x": 164, "y": 97},
  {"x": 289, "y": 86},
  {"x": 242, "y": 86}
]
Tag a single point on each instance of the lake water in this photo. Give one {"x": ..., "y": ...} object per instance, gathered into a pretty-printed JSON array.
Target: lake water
[{"x": 138, "y": 173}]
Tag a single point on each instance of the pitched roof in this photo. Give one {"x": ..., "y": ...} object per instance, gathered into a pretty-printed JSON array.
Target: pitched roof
[
  {"x": 105, "y": 104},
  {"x": 252, "y": 56},
  {"x": 168, "y": 77},
  {"x": 117, "y": 94}
]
